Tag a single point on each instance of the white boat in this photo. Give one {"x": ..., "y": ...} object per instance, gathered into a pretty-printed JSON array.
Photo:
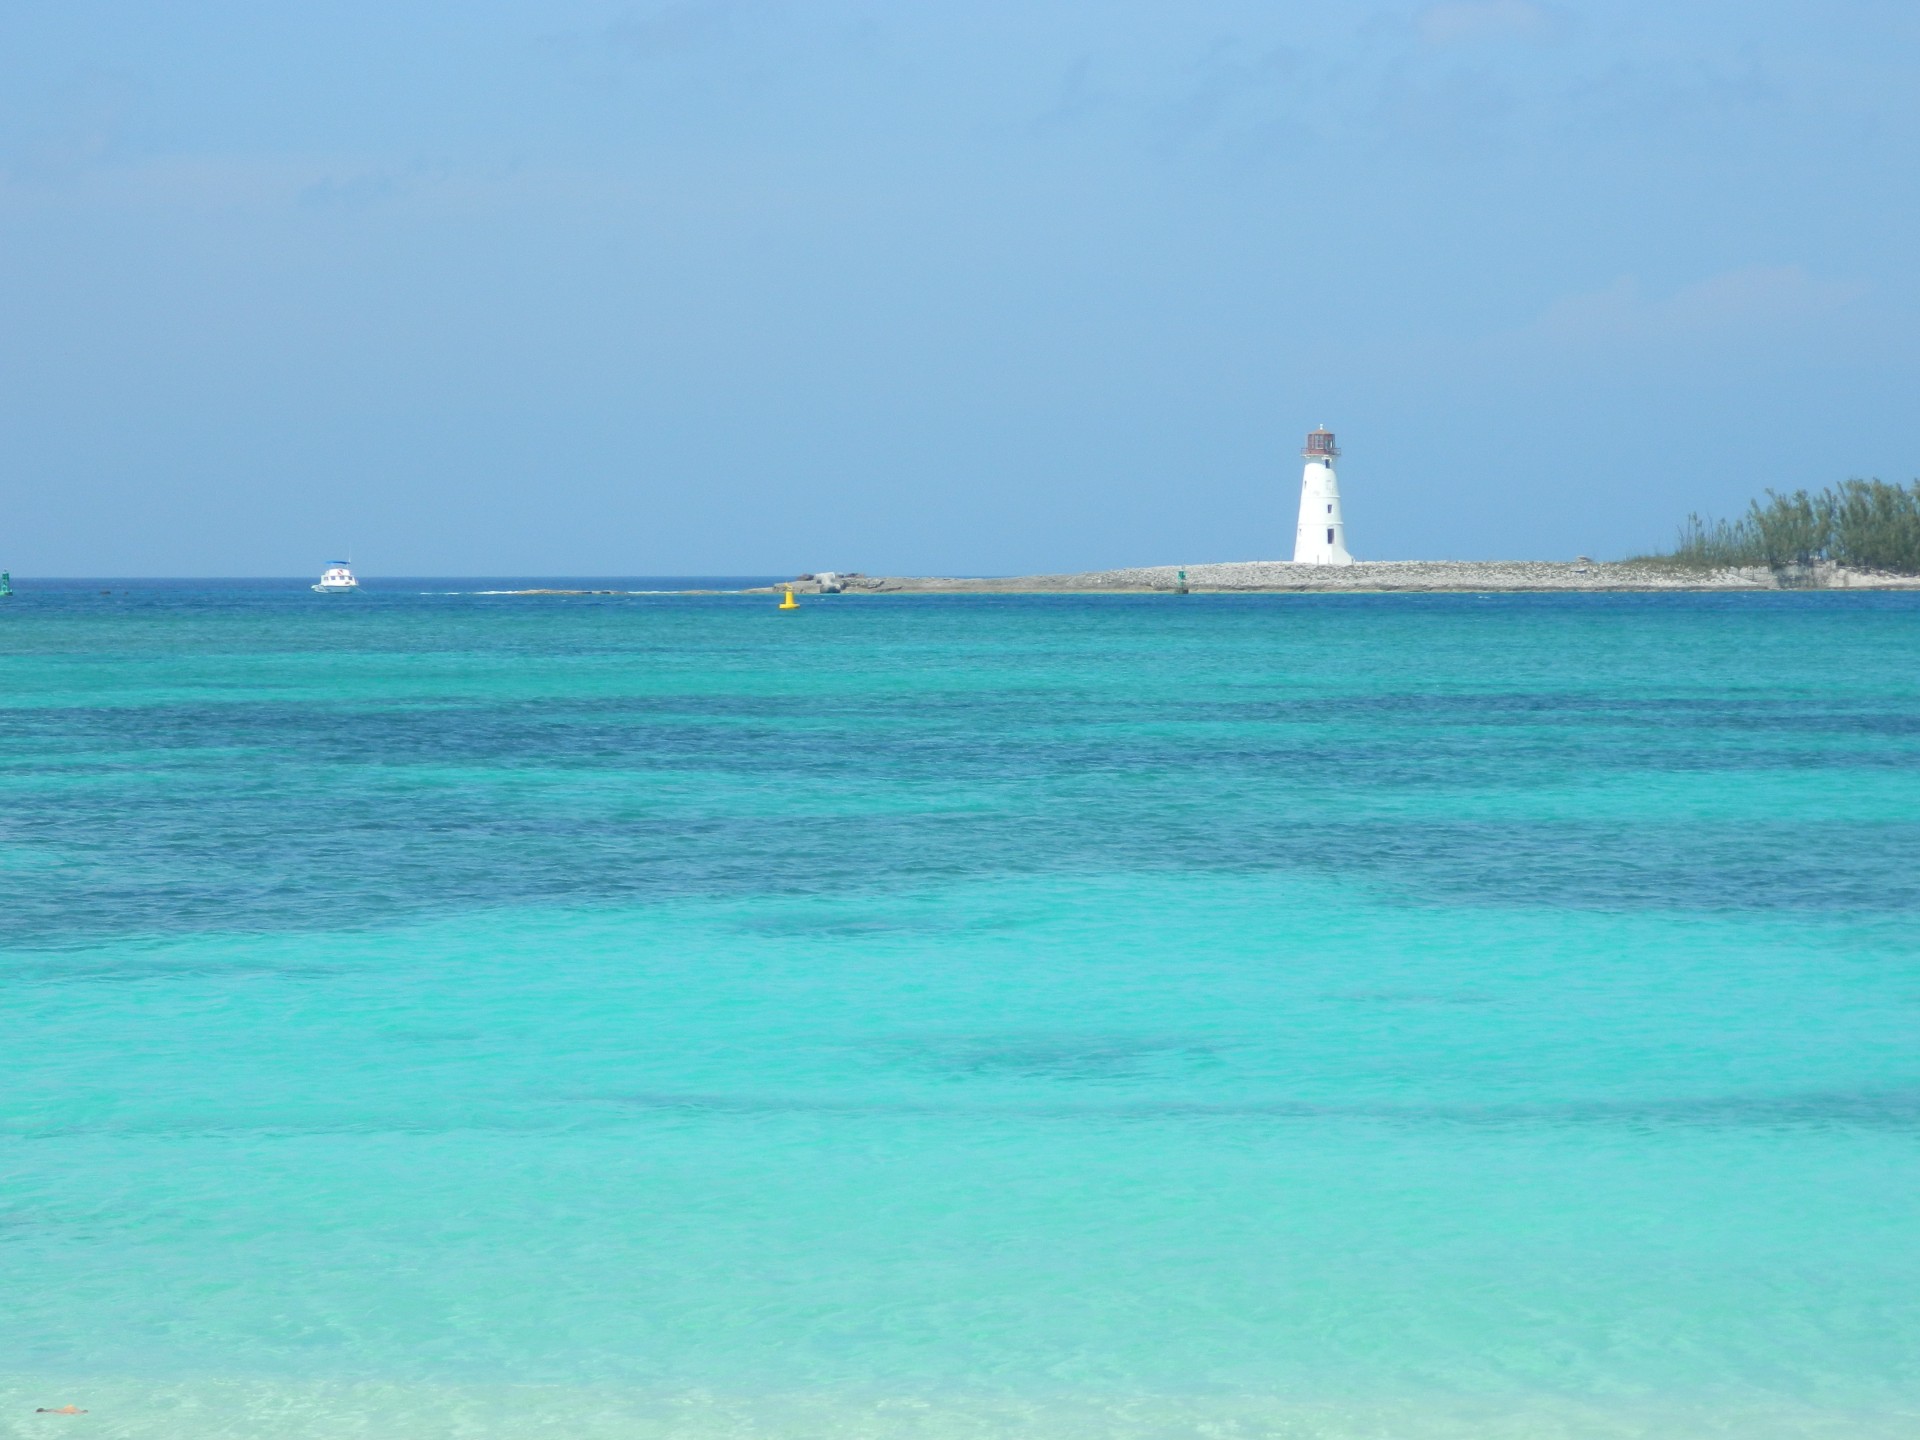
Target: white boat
[{"x": 337, "y": 579}]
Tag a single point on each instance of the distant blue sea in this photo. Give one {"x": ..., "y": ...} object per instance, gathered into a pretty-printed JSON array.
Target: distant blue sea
[{"x": 429, "y": 1013}]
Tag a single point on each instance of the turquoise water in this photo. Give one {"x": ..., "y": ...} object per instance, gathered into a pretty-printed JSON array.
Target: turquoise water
[{"x": 1241, "y": 1016}]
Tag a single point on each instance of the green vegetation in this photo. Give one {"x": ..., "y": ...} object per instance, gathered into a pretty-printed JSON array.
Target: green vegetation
[{"x": 1862, "y": 524}]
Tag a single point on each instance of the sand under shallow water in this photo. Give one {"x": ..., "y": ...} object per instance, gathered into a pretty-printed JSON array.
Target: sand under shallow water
[{"x": 221, "y": 1409}]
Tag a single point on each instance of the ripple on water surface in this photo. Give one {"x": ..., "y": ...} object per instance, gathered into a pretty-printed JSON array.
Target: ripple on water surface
[{"x": 1321, "y": 1017}]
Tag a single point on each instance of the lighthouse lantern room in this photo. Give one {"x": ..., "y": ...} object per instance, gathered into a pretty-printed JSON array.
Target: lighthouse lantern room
[{"x": 1321, "y": 538}]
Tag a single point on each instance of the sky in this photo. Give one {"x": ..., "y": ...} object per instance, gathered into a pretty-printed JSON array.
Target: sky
[{"x": 755, "y": 287}]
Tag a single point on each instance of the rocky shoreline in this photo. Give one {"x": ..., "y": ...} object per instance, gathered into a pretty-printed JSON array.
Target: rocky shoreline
[{"x": 1275, "y": 576}]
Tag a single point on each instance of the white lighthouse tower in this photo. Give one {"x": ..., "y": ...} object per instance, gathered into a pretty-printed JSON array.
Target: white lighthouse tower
[{"x": 1321, "y": 538}]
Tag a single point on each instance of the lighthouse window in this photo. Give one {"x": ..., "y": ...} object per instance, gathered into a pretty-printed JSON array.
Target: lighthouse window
[
  {"x": 1329, "y": 509},
  {"x": 1329, "y": 537}
]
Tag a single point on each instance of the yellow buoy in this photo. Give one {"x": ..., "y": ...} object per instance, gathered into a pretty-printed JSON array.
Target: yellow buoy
[{"x": 789, "y": 603}]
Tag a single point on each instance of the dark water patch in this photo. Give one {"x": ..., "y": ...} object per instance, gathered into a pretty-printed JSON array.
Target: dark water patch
[
  {"x": 1407, "y": 998},
  {"x": 44, "y": 968},
  {"x": 845, "y": 927},
  {"x": 924, "y": 744},
  {"x": 252, "y": 868},
  {"x": 1879, "y": 1111},
  {"x": 1862, "y": 1109},
  {"x": 1623, "y": 866},
  {"x": 1891, "y": 1111},
  {"x": 1765, "y": 707},
  {"x": 1051, "y": 1057},
  {"x": 963, "y": 737}
]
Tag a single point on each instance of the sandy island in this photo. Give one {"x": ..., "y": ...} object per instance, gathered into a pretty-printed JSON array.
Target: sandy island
[
  {"x": 1270, "y": 576},
  {"x": 1250, "y": 577}
]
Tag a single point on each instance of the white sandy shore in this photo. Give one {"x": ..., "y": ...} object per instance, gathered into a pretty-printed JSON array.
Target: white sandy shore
[{"x": 1381, "y": 575}]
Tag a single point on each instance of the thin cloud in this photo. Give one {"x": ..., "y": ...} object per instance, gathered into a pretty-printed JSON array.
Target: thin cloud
[
  {"x": 1755, "y": 297},
  {"x": 81, "y": 132},
  {"x": 1456, "y": 21},
  {"x": 1078, "y": 97},
  {"x": 676, "y": 29}
]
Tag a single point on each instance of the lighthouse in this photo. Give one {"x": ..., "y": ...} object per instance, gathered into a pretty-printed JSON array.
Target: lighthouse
[{"x": 1321, "y": 538}]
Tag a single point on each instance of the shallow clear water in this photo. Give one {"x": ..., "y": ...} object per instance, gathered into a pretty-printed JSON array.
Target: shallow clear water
[{"x": 442, "y": 1014}]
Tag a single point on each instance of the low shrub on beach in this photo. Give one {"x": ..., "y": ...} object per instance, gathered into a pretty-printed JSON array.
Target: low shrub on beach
[{"x": 1863, "y": 524}]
